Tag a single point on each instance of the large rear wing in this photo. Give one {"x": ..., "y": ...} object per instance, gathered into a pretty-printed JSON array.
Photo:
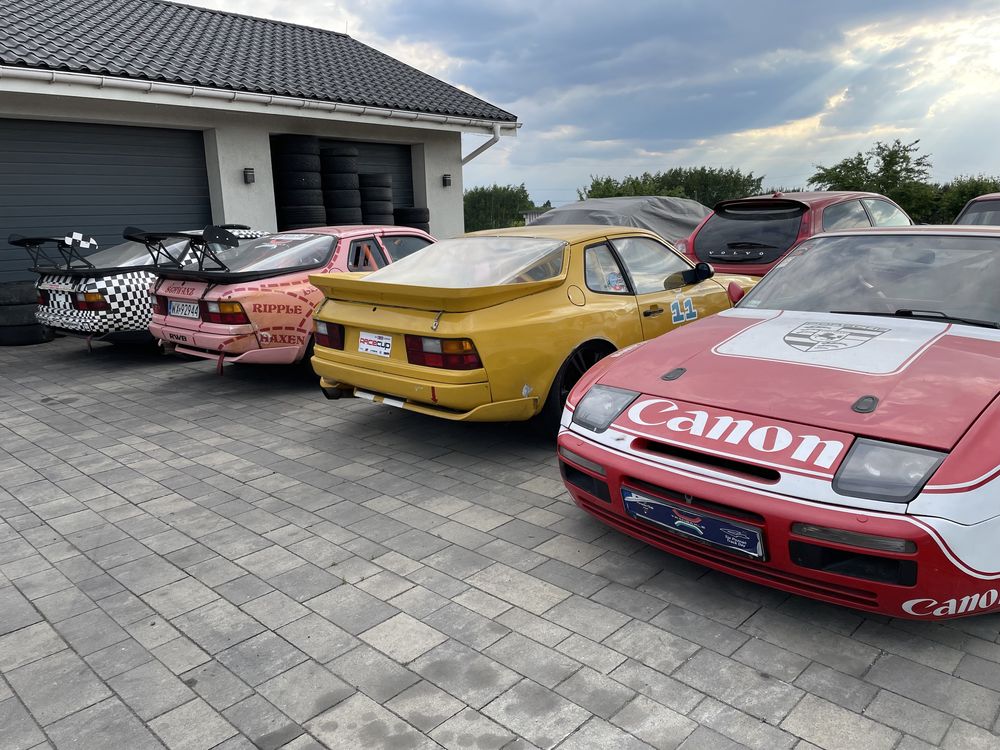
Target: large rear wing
[
  {"x": 70, "y": 249},
  {"x": 198, "y": 250}
]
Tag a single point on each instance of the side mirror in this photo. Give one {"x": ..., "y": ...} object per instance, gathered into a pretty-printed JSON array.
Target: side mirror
[
  {"x": 735, "y": 292},
  {"x": 703, "y": 271},
  {"x": 675, "y": 281}
]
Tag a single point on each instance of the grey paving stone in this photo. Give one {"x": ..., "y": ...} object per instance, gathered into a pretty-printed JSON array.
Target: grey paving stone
[
  {"x": 27, "y": 645},
  {"x": 469, "y": 728},
  {"x": 595, "y": 692},
  {"x": 909, "y": 717},
  {"x": 425, "y": 706},
  {"x": 193, "y": 726},
  {"x": 597, "y": 733},
  {"x": 150, "y": 689},
  {"x": 385, "y": 584},
  {"x": 980, "y": 671},
  {"x": 246, "y": 588},
  {"x": 260, "y": 658},
  {"x": 704, "y": 738},
  {"x": 351, "y": 609},
  {"x": 152, "y": 631},
  {"x": 217, "y": 625},
  {"x": 464, "y": 625},
  {"x": 275, "y": 609},
  {"x": 542, "y": 664},
  {"x": 304, "y": 582},
  {"x": 745, "y": 729},
  {"x": 629, "y": 601},
  {"x": 57, "y": 686},
  {"x": 305, "y": 691},
  {"x": 217, "y": 685},
  {"x": 963, "y": 736},
  {"x": 438, "y": 582},
  {"x": 403, "y": 638},
  {"x": 15, "y": 611},
  {"x": 64, "y": 604},
  {"x": 844, "y": 690},
  {"x": 360, "y": 722},
  {"x": 523, "y": 534},
  {"x": 697, "y": 597},
  {"x": 658, "y": 725},
  {"x": 266, "y": 726},
  {"x": 651, "y": 645},
  {"x": 520, "y": 589},
  {"x": 17, "y": 729},
  {"x": 373, "y": 673},
  {"x": 699, "y": 629},
  {"x": 124, "y": 607},
  {"x": 118, "y": 658},
  {"x": 180, "y": 655},
  {"x": 146, "y": 574},
  {"x": 536, "y": 713},
  {"x": 600, "y": 658},
  {"x": 587, "y": 617},
  {"x": 466, "y": 674},
  {"x": 105, "y": 725},
  {"x": 771, "y": 660},
  {"x": 909, "y": 645},
  {"x": 320, "y": 639},
  {"x": 830, "y": 726}
]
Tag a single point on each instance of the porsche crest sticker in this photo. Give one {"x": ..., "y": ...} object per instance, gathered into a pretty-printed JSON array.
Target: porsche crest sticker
[{"x": 826, "y": 337}]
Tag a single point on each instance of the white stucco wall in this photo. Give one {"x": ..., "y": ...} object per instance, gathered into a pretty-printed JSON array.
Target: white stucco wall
[{"x": 237, "y": 136}]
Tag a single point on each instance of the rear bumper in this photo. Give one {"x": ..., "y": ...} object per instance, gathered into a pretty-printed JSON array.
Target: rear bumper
[
  {"x": 100, "y": 325},
  {"x": 926, "y": 584}
]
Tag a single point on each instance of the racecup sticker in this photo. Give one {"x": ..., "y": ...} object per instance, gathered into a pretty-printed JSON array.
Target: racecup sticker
[{"x": 374, "y": 343}]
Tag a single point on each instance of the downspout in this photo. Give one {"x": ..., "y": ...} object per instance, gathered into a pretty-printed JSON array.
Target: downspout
[{"x": 488, "y": 144}]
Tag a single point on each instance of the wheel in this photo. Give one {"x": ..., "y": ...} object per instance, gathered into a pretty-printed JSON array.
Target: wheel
[
  {"x": 376, "y": 194},
  {"x": 337, "y": 216},
  {"x": 423, "y": 227},
  {"x": 18, "y": 315},
  {"x": 338, "y": 150},
  {"x": 18, "y": 293},
  {"x": 296, "y": 144},
  {"x": 299, "y": 197},
  {"x": 409, "y": 215},
  {"x": 375, "y": 180},
  {"x": 547, "y": 420},
  {"x": 341, "y": 199},
  {"x": 375, "y": 207},
  {"x": 296, "y": 163},
  {"x": 384, "y": 220},
  {"x": 297, "y": 180},
  {"x": 339, "y": 164},
  {"x": 302, "y": 214},
  {"x": 338, "y": 181},
  {"x": 24, "y": 335}
]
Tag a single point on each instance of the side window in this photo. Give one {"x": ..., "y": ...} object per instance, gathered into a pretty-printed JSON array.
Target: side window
[
  {"x": 400, "y": 245},
  {"x": 844, "y": 216},
  {"x": 364, "y": 255},
  {"x": 884, "y": 214},
  {"x": 602, "y": 271},
  {"x": 648, "y": 262}
]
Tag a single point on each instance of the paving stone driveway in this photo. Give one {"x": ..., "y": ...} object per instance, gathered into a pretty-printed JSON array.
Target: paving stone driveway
[{"x": 199, "y": 562}]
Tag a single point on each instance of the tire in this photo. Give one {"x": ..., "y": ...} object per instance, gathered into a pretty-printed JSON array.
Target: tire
[
  {"x": 338, "y": 150},
  {"x": 302, "y": 214},
  {"x": 18, "y": 293},
  {"x": 299, "y": 197},
  {"x": 409, "y": 215},
  {"x": 339, "y": 181},
  {"x": 375, "y": 207},
  {"x": 341, "y": 199},
  {"x": 296, "y": 163},
  {"x": 546, "y": 422},
  {"x": 24, "y": 335},
  {"x": 298, "y": 180},
  {"x": 420, "y": 225},
  {"x": 296, "y": 144},
  {"x": 336, "y": 216},
  {"x": 375, "y": 180},
  {"x": 18, "y": 315},
  {"x": 380, "y": 219},
  {"x": 306, "y": 225},
  {"x": 339, "y": 164},
  {"x": 376, "y": 194}
]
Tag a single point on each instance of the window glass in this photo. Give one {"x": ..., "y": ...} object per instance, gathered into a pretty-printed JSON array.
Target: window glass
[
  {"x": 130, "y": 254},
  {"x": 466, "y": 262},
  {"x": 884, "y": 214},
  {"x": 648, "y": 262},
  {"x": 846, "y": 215},
  {"x": 275, "y": 251},
  {"x": 757, "y": 231},
  {"x": 401, "y": 245},
  {"x": 364, "y": 255},
  {"x": 982, "y": 213},
  {"x": 603, "y": 272}
]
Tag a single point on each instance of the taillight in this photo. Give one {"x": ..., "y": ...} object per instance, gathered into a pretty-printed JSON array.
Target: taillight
[
  {"x": 330, "y": 335},
  {"x": 448, "y": 354},
  {"x": 230, "y": 313},
  {"x": 159, "y": 304},
  {"x": 43, "y": 297},
  {"x": 90, "y": 301}
]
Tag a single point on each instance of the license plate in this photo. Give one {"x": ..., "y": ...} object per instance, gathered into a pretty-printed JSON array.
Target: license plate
[
  {"x": 374, "y": 343},
  {"x": 696, "y": 524},
  {"x": 183, "y": 309}
]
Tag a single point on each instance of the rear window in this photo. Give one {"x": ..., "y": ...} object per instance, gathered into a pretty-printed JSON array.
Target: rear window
[
  {"x": 981, "y": 213},
  {"x": 130, "y": 254},
  {"x": 276, "y": 252},
  {"x": 749, "y": 232}
]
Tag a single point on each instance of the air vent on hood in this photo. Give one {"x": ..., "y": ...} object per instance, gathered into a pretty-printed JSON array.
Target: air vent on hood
[{"x": 865, "y": 404}]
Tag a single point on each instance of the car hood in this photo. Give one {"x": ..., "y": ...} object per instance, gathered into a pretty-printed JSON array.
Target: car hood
[{"x": 932, "y": 380}]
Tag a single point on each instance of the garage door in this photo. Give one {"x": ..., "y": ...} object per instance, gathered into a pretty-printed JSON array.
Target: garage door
[
  {"x": 57, "y": 177},
  {"x": 384, "y": 158}
]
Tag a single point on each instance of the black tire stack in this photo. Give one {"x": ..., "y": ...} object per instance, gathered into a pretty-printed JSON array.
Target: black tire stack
[
  {"x": 376, "y": 198},
  {"x": 341, "y": 197},
  {"x": 418, "y": 218},
  {"x": 18, "y": 325},
  {"x": 297, "y": 183}
]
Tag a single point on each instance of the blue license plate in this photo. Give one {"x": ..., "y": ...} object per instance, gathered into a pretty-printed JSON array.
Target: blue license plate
[{"x": 695, "y": 523}]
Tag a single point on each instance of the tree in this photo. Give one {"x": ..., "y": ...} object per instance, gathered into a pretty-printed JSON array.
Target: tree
[
  {"x": 496, "y": 206},
  {"x": 709, "y": 185}
]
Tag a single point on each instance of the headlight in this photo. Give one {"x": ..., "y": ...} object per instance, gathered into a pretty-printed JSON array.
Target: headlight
[
  {"x": 885, "y": 471},
  {"x": 601, "y": 406}
]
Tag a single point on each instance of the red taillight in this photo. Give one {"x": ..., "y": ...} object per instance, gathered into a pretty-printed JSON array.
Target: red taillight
[
  {"x": 330, "y": 335},
  {"x": 90, "y": 301},
  {"x": 159, "y": 304},
  {"x": 43, "y": 297},
  {"x": 229, "y": 313},
  {"x": 448, "y": 354}
]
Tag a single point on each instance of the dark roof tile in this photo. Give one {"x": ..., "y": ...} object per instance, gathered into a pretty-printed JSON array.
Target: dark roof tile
[{"x": 162, "y": 41}]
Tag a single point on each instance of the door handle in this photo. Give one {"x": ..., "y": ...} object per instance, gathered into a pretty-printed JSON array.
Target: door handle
[{"x": 652, "y": 312}]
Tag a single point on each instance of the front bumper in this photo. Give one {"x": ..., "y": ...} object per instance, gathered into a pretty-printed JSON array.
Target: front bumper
[{"x": 925, "y": 584}]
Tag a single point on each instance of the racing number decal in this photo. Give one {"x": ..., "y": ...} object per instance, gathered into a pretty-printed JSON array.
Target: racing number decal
[{"x": 682, "y": 310}]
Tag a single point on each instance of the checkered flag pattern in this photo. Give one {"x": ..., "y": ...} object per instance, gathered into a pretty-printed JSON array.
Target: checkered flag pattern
[
  {"x": 77, "y": 241},
  {"x": 129, "y": 303}
]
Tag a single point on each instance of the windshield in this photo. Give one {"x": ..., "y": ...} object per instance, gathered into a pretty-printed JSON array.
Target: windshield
[
  {"x": 129, "y": 254},
  {"x": 982, "y": 213},
  {"x": 885, "y": 274},
  {"x": 275, "y": 252},
  {"x": 477, "y": 261},
  {"x": 752, "y": 232}
]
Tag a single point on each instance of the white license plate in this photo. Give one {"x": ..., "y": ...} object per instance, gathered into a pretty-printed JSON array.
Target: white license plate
[
  {"x": 374, "y": 343},
  {"x": 183, "y": 309}
]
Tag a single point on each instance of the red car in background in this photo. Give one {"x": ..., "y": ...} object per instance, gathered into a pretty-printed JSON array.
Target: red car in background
[
  {"x": 750, "y": 235},
  {"x": 983, "y": 210}
]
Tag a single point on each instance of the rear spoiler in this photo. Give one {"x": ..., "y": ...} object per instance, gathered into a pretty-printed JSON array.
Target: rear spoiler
[
  {"x": 198, "y": 249},
  {"x": 70, "y": 249}
]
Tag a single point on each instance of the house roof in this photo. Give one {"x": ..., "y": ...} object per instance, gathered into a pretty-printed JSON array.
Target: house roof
[{"x": 162, "y": 41}]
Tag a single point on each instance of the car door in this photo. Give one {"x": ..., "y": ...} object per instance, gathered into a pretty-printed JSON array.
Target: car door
[
  {"x": 397, "y": 246},
  {"x": 648, "y": 263}
]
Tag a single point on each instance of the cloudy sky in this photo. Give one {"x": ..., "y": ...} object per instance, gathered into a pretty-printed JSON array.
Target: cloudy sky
[{"x": 618, "y": 88}]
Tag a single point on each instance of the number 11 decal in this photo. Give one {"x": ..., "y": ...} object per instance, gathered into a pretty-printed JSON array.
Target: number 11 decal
[{"x": 682, "y": 310}]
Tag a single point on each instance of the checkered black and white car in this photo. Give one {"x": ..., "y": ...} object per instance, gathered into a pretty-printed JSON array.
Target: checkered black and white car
[{"x": 104, "y": 296}]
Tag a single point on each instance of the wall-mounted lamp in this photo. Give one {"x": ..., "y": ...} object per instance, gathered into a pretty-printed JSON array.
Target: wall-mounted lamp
[
  {"x": 248, "y": 177},
  {"x": 446, "y": 180}
]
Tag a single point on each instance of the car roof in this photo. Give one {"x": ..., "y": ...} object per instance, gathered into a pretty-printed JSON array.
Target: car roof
[
  {"x": 813, "y": 199},
  {"x": 929, "y": 230},
  {"x": 985, "y": 197},
  {"x": 350, "y": 230},
  {"x": 572, "y": 233}
]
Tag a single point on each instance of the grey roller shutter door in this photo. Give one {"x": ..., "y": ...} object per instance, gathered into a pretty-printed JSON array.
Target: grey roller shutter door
[
  {"x": 384, "y": 158},
  {"x": 96, "y": 179}
]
